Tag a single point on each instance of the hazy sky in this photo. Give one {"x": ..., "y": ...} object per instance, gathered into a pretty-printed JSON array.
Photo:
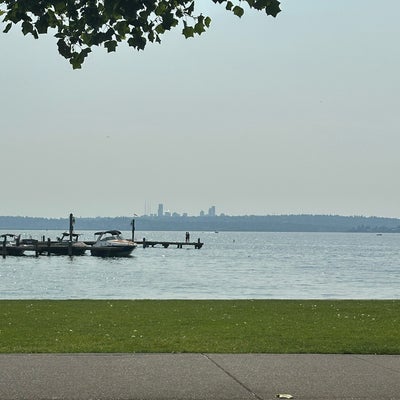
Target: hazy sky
[{"x": 298, "y": 114}]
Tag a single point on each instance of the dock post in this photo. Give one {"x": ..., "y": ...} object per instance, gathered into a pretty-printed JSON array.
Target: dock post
[
  {"x": 4, "y": 250},
  {"x": 71, "y": 230},
  {"x": 133, "y": 229},
  {"x": 48, "y": 246},
  {"x": 144, "y": 243},
  {"x": 36, "y": 248}
]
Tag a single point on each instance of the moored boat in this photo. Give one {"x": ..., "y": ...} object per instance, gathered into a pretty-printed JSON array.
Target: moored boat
[
  {"x": 112, "y": 244},
  {"x": 11, "y": 245},
  {"x": 62, "y": 245}
]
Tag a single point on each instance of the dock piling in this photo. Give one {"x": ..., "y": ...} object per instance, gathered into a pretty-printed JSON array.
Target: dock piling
[
  {"x": 71, "y": 230},
  {"x": 4, "y": 249},
  {"x": 133, "y": 229},
  {"x": 48, "y": 246}
]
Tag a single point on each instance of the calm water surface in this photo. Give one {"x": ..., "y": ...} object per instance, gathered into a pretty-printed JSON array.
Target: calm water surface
[{"x": 231, "y": 265}]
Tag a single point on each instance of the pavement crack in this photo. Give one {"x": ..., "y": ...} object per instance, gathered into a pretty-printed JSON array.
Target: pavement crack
[
  {"x": 362, "y": 357},
  {"x": 255, "y": 395}
]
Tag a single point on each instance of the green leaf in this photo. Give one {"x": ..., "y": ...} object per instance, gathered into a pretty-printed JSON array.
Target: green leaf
[
  {"x": 87, "y": 39},
  {"x": 137, "y": 41},
  {"x": 27, "y": 27},
  {"x": 168, "y": 21},
  {"x": 188, "y": 31},
  {"x": 42, "y": 24},
  {"x": 199, "y": 28},
  {"x": 86, "y": 51},
  {"x": 160, "y": 29},
  {"x": 60, "y": 6},
  {"x": 229, "y": 5},
  {"x": 207, "y": 22},
  {"x": 111, "y": 45},
  {"x": 109, "y": 34},
  {"x": 122, "y": 28},
  {"x": 151, "y": 36},
  {"x": 52, "y": 19},
  {"x": 238, "y": 11},
  {"x": 77, "y": 59},
  {"x": 273, "y": 8},
  {"x": 161, "y": 8},
  {"x": 76, "y": 64},
  {"x": 8, "y": 27},
  {"x": 64, "y": 49}
]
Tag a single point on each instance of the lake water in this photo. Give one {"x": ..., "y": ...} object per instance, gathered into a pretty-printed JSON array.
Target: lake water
[{"x": 231, "y": 265}]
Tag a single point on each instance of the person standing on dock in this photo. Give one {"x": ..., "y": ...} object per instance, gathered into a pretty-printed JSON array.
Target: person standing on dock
[{"x": 187, "y": 237}]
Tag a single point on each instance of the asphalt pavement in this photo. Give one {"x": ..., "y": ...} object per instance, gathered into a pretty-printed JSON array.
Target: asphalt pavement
[{"x": 198, "y": 376}]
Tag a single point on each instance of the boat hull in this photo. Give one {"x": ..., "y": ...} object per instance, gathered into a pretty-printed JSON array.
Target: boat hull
[
  {"x": 63, "y": 250},
  {"x": 112, "y": 251},
  {"x": 14, "y": 251}
]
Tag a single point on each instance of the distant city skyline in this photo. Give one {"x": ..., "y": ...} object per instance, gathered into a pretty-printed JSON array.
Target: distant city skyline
[{"x": 162, "y": 212}]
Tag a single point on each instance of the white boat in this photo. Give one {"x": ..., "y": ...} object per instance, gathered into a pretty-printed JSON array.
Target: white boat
[{"x": 112, "y": 244}]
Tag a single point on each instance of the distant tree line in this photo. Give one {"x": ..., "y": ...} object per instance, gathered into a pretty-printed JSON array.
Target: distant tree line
[{"x": 254, "y": 223}]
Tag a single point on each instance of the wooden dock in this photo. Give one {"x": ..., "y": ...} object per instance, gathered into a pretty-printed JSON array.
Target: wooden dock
[
  {"x": 153, "y": 243},
  {"x": 56, "y": 248}
]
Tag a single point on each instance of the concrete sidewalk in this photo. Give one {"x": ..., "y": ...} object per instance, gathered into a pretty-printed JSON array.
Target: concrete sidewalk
[{"x": 198, "y": 376}]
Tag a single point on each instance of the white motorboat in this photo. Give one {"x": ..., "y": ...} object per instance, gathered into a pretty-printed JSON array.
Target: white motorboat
[{"x": 112, "y": 244}]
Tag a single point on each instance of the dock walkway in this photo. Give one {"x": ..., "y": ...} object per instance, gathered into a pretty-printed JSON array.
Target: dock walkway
[
  {"x": 164, "y": 243},
  {"x": 61, "y": 248}
]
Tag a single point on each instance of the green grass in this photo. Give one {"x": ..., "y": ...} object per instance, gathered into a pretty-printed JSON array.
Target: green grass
[{"x": 232, "y": 326}]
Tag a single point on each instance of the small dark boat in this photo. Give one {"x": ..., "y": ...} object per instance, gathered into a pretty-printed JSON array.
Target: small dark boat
[
  {"x": 12, "y": 245},
  {"x": 61, "y": 246},
  {"x": 112, "y": 244}
]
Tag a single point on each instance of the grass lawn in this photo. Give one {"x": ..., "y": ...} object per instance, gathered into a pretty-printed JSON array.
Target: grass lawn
[{"x": 216, "y": 326}]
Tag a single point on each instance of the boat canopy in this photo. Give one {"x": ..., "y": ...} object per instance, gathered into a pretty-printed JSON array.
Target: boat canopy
[
  {"x": 73, "y": 235},
  {"x": 114, "y": 232}
]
